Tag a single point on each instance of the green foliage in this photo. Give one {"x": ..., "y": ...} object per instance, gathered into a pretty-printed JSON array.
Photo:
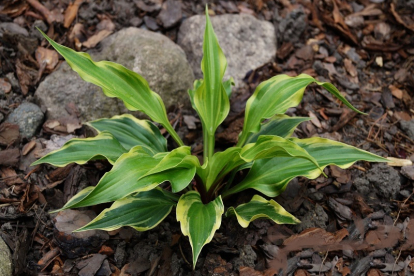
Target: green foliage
[{"x": 141, "y": 161}]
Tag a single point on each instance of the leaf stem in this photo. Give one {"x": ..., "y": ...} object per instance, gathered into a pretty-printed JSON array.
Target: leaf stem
[
  {"x": 201, "y": 189},
  {"x": 242, "y": 140},
  {"x": 208, "y": 145},
  {"x": 173, "y": 134}
]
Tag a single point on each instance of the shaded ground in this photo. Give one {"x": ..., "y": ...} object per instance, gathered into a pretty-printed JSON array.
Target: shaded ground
[{"x": 354, "y": 222}]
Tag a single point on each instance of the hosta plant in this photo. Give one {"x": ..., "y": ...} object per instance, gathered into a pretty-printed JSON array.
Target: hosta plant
[{"x": 265, "y": 151}]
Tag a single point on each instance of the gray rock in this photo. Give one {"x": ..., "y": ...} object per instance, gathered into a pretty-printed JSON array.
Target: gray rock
[
  {"x": 315, "y": 195},
  {"x": 248, "y": 256},
  {"x": 161, "y": 62},
  {"x": 408, "y": 171},
  {"x": 12, "y": 28},
  {"x": 38, "y": 24},
  {"x": 363, "y": 186},
  {"x": 5, "y": 259},
  {"x": 314, "y": 218},
  {"x": 408, "y": 127},
  {"x": 246, "y": 42},
  {"x": 13, "y": 81},
  {"x": 28, "y": 117},
  {"x": 385, "y": 180},
  {"x": 64, "y": 86},
  {"x": 293, "y": 25},
  {"x": 170, "y": 14}
]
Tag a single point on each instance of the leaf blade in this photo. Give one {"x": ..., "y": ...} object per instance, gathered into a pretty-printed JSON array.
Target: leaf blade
[
  {"x": 279, "y": 125},
  {"x": 275, "y": 96},
  {"x": 138, "y": 171},
  {"x": 258, "y": 207},
  {"x": 142, "y": 212},
  {"x": 270, "y": 176},
  {"x": 199, "y": 221},
  {"x": 117, "y": 81},
  {"x": 81, "y": 150},
  {"x": 131, "y": 132},
  {"x": 210, "y": 98}
]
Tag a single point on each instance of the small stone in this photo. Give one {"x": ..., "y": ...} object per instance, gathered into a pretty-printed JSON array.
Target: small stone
[
  {"x": 405, "y": 193},
  {"x": 73, "y": 244},
  {"x": 293, "y": 25},
  {"x": 5, "y": 259},
  {"x": 248, "y": 256},
  {"x": 315, "y": 195},
  {"x": 13, "y": 81},
  {"x": 313, "y": 218},
  {"x": 136, "y": 21},
  {"x": 38, "y": 24},
  {"x": 151, "y": 23},
  {"x": 13, "y": 29},
  {"x": 28, "y": 117},
  {"x": 170, "y": 14},
  {"x": 408, "y": 171},
  {"x": 408, "y": 128},
  {"x": 385, "y": 179},
  {"x": 5, "y": 87},
  {"x": 149, "y": 5}
]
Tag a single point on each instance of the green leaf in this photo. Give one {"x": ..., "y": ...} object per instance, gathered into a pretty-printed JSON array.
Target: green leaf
[
  {"x": 277, "y": 95},
  {"x": 259, "y": 207},
  {"x": 142, "y": 211},
  {"x": 131, "y": 132},
  {"x": 223, "y": 163},
  {"x": 80, "y": 151},
  {"x": 210, "y": 99},
  {"x": 138, "y": 171},
  {"x": 118, "y": 81},
  {"x": 199, "y": 221},
  {"x": 197, "y": 83},
  {"x": 191, "y": 92},
  {"x": 227, "y": 86},
  {"x": 279, "y": 125},
  {"x": 270, "y": 176}
]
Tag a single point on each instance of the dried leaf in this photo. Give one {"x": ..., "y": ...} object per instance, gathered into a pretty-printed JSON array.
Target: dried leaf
[
  {"x": 15, "y": 8},
  {"x": 96, "y": 38},
  {"x": 191, "y": 121},
  {"x": 28, "y": 147},
  {"x": 399, "y": 19},
  {"x": 5, "y": 86},
  {"x": 71, "y": 12},
  {"x": 350, "y": 68},
  {"x": 314, "y": 119},
  {"x": 8, "y": 134},
  {"x": 27, "y": 76},
  {"x": 398, "y": 93},
  {"x": 341, "y": 175},
  {"x": 50, "y": 16},
  {"x": 248, "y": 271},
  {"x": 10, "y": 177},
  {"x": 374, "y": 272},
  {"x": 397, "y": 162},
  {"x": 313, "y": 237},
  {"x": 9, "y": 157},
  {"x": 47, "y": 57}
]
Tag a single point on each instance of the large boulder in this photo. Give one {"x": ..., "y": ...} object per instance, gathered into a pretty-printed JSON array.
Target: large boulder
[
  {"x": 5, "y": 259},
  {"x": 246, "y": 42},
  {"x": 159, "y": 60}
]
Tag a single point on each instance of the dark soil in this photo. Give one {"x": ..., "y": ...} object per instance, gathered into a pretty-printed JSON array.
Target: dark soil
[{"x": 354, "y": 222}]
